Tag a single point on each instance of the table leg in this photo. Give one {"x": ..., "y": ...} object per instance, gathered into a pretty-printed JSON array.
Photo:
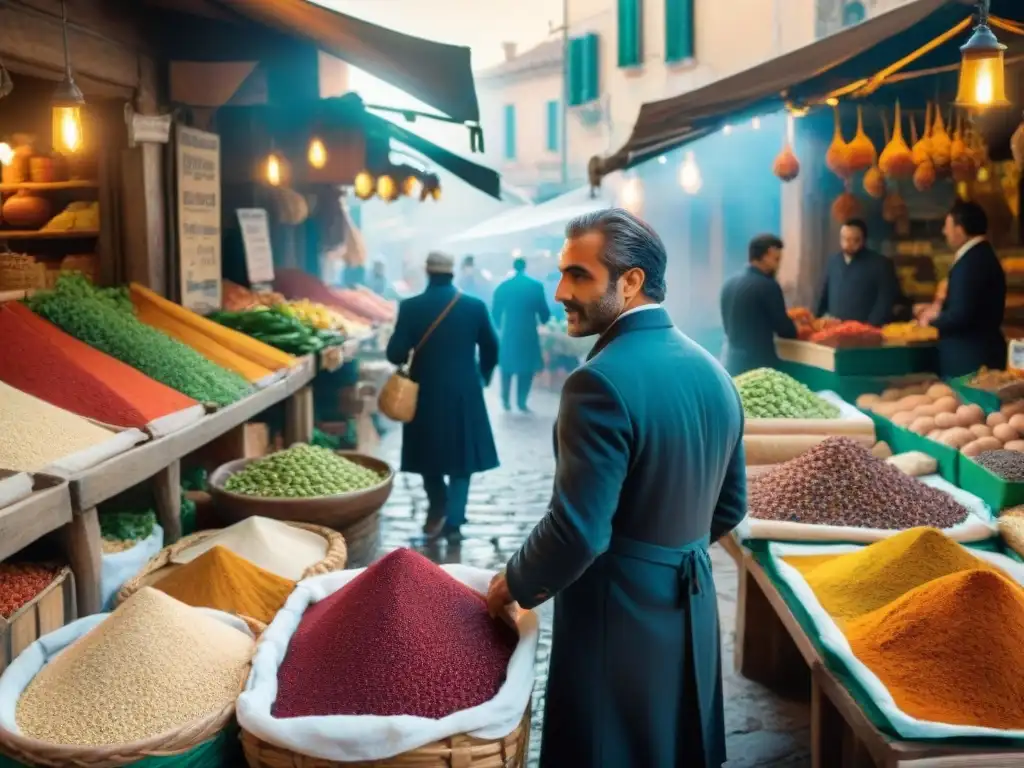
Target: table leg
[
  {"x": 827, "y": 730},
  {"x": 81, "y": 540},
  {"x": 298, "y": 420},
  {"x": 167, "y": 495},
  {"x": 764, "y": 651}
]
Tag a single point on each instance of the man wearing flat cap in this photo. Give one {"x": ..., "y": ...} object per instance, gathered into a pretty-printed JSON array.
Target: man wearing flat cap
[{"x": 454, "y": 353}]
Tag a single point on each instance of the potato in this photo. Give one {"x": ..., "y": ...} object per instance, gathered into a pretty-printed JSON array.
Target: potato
[
  {"x": 1004, "y": 433},
  {"x": 1012, "y": 409},
  {"x": 937, "y": 391},
  {"x": 946, "y": 404},
  {"x": 971, "y": 449},
  {"x": 910, "y": 402},
  {"x": 1014, "y": 445},
  {"x": 957, "y": 437},
  {"x": 892, "y": 395},
  {"x": 903, "y": 418},
  {"x": 1017, "y": 422},
  {"x": 922, "y": 425},
  {"x": 887, "y": 409},
  {"x": 986, "y": 444},
  {"x": 970, "y": 415},
  {"x": 927, "y": 410},
  {"x": 995, "y": 419},
  {"x": 916, "y": 389},
  {"x": 980, "y": 430},
  {"x": 946, "y": 420},
  {"x": 866, "y": 401}
]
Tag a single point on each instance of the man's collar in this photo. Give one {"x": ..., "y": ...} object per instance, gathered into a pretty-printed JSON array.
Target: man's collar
[{"x": 967, "y": 246}]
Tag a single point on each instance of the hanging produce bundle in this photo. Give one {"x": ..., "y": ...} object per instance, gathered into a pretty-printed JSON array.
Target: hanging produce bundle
[
  {"x": 279, "y": 328},
  {"x": 861, "y": 153},
  {"x": 897, "y": 160},
  {"x": 846, "y": 207},
  {"x": 940, "y": 144},
  {"x": 837, "y": 158},
  {"x": 921, "y": 148},
  {"x": 894, "y": 208},
  {"x": 786, "y": 166},
  {"x": 961, "y": 161},
  {"x": 874, "y": 182},
  {"x": 924, "y": 173}
]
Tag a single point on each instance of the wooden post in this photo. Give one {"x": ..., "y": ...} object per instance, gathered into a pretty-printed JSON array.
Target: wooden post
[
  {"x": 764, "y": 651},
  {"x": 81, "y": 539},
  {"x": 167, "y": 495},
  {"x": 827, "y": 727},
  {"x": 228, "y": 447},
  {"x": 298, "y": 419}
]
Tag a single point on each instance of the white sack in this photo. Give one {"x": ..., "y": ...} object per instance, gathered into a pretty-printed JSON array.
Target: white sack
[{"x": 118, "y": 568}]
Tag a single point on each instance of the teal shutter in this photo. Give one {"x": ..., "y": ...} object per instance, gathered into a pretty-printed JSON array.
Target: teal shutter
[
  {"x": 583, "y": 73},
  {"x": 553, "y": 125},
  {"x": 678, "y": 30},
  {"x": 574, "y": 72},
  {"x": 631, "y": 33},
  {"x": 510, "y": 131}
]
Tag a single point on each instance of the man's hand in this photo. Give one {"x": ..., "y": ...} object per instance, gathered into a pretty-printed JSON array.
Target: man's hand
[{"x": 498, "y": 596}]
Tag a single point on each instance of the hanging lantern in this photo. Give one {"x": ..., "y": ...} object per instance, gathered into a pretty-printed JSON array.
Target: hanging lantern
[
  {"x": 689, "y": 175},
  {"x": 364, "y": 185},
  {"x": 982, "y": 71},
  {"x": 317, "y": 154},
  {"x": 387, "y": 188},
  {"x": 67, "y": 102},
  {"x": 274, "y": 171}
]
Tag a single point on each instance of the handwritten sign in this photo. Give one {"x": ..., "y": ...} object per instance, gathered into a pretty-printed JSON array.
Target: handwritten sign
[
  {"x": 259, "y": 255},
  {"x": 199, "y": 231}
]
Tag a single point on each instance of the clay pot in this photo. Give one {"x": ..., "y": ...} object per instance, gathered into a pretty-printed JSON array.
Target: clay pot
[
  {"x": 43, "y": 170},
  {"x": 27, "y": 211}
]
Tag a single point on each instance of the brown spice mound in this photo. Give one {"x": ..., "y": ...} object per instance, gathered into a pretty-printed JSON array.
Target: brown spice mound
[
  {"x": 838, "y": 482},
  {"x": 948, "y": 651}
]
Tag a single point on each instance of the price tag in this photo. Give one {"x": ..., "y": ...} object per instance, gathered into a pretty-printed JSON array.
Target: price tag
[{"x": 259, "y": 255}]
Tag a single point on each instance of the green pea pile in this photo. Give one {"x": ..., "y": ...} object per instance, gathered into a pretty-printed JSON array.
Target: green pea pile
[
  {"x": 301, "y": 472},
  {"x": 771, "y": 394},
  {"x": 103, "y": 319}
]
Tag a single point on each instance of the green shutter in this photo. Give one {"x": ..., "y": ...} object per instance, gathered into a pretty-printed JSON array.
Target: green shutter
[
  {"x": 584, "y": 70},
  {"x": 631, "y": 33},
  {"x": 553, "y": 126},
  {"x": 678, "y": 30},
  {"x": 574, "y": 72},
  {"x": 510, "y": 131}
]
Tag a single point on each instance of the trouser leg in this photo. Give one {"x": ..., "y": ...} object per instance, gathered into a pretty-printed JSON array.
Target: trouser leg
[
  {"x": 506, "y": 389},
  {"x": 523, "y": 386},
  {"x": 437, "y": 497},
  {"x": 458, "y": 497}
]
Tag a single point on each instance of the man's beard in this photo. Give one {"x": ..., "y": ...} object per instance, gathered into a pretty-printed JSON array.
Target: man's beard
[{"x": 596, "y": 317}]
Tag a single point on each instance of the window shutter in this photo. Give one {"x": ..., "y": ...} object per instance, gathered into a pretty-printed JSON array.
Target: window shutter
[
  {"x": 591, "y": 88},
  {"x": 631, "y": 33},
  {"x": 510, "y": 131},
  {"x": 553, "y": 126},
  {"x": 679, "y": 38},
  {"x": 574, "y": 71}
]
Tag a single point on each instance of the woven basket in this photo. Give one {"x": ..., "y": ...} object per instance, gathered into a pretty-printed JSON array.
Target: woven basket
[
  {"x": 362, "y": 538},
  {"x": 1011, "y": 527},
  {"x": 160, "y": 565},
  {"x": 455, "y": 752}
]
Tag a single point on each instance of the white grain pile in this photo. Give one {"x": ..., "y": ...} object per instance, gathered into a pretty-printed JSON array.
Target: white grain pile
[
  {"x": 272, "y": 545},
  {"x": 34, "y": 434},
  {"x": 153, "y": 665}
]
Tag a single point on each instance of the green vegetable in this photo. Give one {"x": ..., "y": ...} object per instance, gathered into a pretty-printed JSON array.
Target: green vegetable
[
  {"x": 771, "y": 394},
  {"x": 127, "y": 526},
  {"x": 104, "y": 319},
  {"x": 301, "y": 472},
  {"x": 274, "y": 326}
]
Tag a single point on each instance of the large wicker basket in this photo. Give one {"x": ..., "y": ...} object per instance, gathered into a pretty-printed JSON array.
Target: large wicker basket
[
  {"x": 455, "y": 752},
  {"x": 1011, "y": 526},
  {"x": 160, "y": 565}
]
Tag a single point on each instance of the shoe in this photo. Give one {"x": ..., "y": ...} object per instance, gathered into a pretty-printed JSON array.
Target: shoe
[
  {"x": 454, "y": 535},
  {"x": 507, "y": 406},
  {"x": 434, "y": 526}
]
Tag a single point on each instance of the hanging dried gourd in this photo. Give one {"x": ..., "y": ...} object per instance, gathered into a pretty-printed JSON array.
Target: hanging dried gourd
[
  {"x": 921, "y": 148},
  {"x": 837, "y": 158},
  {"x": 940, "y": 143},
  {"x": 786, "y": 165},
  {"x": 861, "y": 153},
  {"x": 961, "y": 162},
  {"x": 924, "y": 176},
  {"x": 896, "y": 160},
  {"x": 894, "y": 207},
  {"x": 1017, "y": 146},
  {"x": 874, "y": 182},
  {"x": 846, "y": 207}
]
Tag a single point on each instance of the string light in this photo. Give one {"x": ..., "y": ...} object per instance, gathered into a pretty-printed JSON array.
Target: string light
[
  {"x": 727, "y": 129},
  {"x": 273, "y": 170},
  {"x": 317, "y": 154},
  {"x": 689, "y": 175},
  {"x": 387, "y": 189},
  {"x": 364, "y": 185},
  {"x": 6, "y": 154},
  {"x": 756, "y": 123}
]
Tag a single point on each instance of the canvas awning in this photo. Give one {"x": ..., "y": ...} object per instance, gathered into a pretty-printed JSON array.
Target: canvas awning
[{"x": 802, "y": 76}]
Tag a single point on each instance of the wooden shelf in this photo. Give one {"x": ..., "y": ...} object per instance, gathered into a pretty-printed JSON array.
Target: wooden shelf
[
  {"x": 50, "y": 186},
  {"x": 29, "y": 234},
  {"x": 28, "y": 520}
]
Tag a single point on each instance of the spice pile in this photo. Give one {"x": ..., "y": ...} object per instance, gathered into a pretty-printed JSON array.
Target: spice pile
[
  {"x": 222, "y": 580},
  {"x": 839, "y": 483},
  {"x": 854, "y": 584},
  {"x": 35, "y": 434},
  {"x": 849, "y": 333},
  {"x": 20, "y": 583},
  {"x": 1009, "y": 465},
  {"x": 124, "y": 529},
  {"x": 153, "y": 665},
  {"x": 909, "y": 333},
  {"x": 771, "y": 394},
  {"x": 302, "y": 471},
  {"x": 268, "y": 544},
  {"x": 991, "y": 380},
  {"x": 105, "y": 321},
  {"x": 402, "y": 638},
  {"x": 948, "y": 650}
]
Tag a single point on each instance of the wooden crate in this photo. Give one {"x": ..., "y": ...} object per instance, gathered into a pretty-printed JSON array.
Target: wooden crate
[{"x": 50, "y": 610}]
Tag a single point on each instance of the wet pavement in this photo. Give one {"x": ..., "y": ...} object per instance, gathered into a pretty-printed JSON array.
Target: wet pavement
[{"x": 763, "y": 730}]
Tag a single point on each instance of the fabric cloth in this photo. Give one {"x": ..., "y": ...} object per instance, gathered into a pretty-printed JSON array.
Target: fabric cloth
[
  {"x": 866, "y": 290},
  {"x": 518, "y": 307},
  {"x": 753, "y": 314},
  {"x": 970, "y": 323},
  {"x": 650, "y": 470},
  {"x": 451, "y": 432},
  {"x": 449, "y": 495}
]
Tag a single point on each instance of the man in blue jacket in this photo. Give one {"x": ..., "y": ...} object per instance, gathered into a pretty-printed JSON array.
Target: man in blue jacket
[
  {"x": 650, "y": 471},
  {"x": 450, "y": 438},
  {"x": 518, "y": 306},
  {"x": 860, "y": 284},
  {"x": 754, "y": 310}
]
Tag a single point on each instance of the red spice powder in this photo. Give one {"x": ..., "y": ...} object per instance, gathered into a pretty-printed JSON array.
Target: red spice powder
[
  {"x": 147, "y": 397},
  {"x": 402, "y": 638},
  {"x": 20, "y": 583}
]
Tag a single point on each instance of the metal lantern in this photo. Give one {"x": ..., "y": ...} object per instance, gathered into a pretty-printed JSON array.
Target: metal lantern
[{"x": 982, "y": 69}]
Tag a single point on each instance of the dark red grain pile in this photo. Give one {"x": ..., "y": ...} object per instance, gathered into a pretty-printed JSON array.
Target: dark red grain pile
[
  {"x": 402, "y": 638},
  {"x": 20, "y": 583}
]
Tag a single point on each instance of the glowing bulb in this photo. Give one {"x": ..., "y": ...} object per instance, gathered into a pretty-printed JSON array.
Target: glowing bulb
[
  {"x": 67, "y": 129},
  {"x": 364, "y": 185},
  {"x": 632, "y": 196},
  {"x": 689, "y": 175},
  {"x": 410, "y": 186},
  {"x": 387, "y": 189},
  {"x": 727, "y": 130},
  {"x": 984, "y": 175},
  {"x": 317, "y": 154},
  {"x": 6, "y": 154},
  {"x": 756, "y": 123},
  {"x": 662, "y": 160},
  {"x": 273, "y": 171},
  {"x": 832, "y": 102}
]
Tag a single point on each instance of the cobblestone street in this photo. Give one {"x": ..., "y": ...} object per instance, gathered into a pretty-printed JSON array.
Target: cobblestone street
[{"x": 763, "y": 730}]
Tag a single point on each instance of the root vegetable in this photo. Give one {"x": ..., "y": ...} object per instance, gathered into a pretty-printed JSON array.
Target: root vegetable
[
  {"x": 946, "y": 420},
  {"x": 922, "y": 425},
  {"x": 947, "y": 404},
  {"x": 958, "y": 437},
  {"x": 1017, "y": 422},
  {"x": 1014, "y": 445},
  {"x": 1005, "y": 433},
  {"x": 981, "y": 445},
  {"x": 936, "y": 391},
  {"x": 970, "y": 415},
  {"x": 867, "y": 401},
  {"x": 981, "y": 430},
  {"x": 910, "y": 402},
  {"x": 995, "y": 419},
  {"x": 903, "y": 418}
]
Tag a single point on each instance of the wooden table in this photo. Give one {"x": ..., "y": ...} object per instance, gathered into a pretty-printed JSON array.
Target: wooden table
[
  {"x": 26, "y": 521},
  {"x": 220, "y": 436},
  {"x": 773, "y": 649}
]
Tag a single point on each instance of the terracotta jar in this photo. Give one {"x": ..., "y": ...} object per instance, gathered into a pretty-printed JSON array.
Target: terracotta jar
[{"x": 26, "y": 210}]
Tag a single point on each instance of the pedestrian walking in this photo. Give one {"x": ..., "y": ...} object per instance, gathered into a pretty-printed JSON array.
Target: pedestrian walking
[
  {"x": 472, "y": 283},
  {"x": 450, "y": 438},
  {"x": 650, "y": 472},
  {"x": 519, "y": 305}
]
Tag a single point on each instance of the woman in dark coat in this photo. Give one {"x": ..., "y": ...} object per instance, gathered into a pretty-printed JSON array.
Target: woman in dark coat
[{"x": 450, "y": 438}]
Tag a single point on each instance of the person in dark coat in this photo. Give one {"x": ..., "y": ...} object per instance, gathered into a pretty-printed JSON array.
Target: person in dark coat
[
  {"x": 860, "y": 284},
  {"x": 450, "y": 437},
  {"x": 519, "y": 305},
  {"x": 472, "y": 283},
  {"x": 754, "y": 310},
  {"x": 971, "y": 315},
  {"x": 650, "y": 472}
]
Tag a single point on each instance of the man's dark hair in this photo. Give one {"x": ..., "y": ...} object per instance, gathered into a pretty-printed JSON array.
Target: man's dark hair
[
  {"x": 971, "y": 217},
  {"x": 760, "y": 246},
  {"x": 629, "y": 243},
  {"x": 858, "y": 224},
  {"x": 519, "y": 264},
  {"x": 469, "y": 261}
]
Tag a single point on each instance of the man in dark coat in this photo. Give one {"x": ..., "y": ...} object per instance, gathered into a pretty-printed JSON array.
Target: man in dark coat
[
  {"x": 519, "y": 305},
  {"x": 472, "y": 283},
  {"x": 650, "y": 471},
  {"x": 450, "y": 437},
  {"x": 860, "y": 284},
  {"x": 970, "y": 320},
  {"x": 754, "y": 310}
]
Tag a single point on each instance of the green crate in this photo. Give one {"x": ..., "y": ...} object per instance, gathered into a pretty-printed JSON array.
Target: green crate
[
  {"x": 886, "y": 361},
  {"x": 989, "y": 402},
  {"x": 986, "y": 485},
  {"x": 903, "y": 440},
  {"x": 847, "y": 387}
]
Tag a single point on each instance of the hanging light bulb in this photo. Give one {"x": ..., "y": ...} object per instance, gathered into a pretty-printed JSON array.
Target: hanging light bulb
[
  {"x": 273, "y": 170},
  {"x": 727, "y": 129},
  {"x": 317, "y": 154},
  {"x": 410, "y": 186},
  {"x": 387, "y": 188},
  {"x": 662, "y": 160},
  {"x": 689, "y": 175},
  {"x": 364, "y": 185},
  {"x": 832, "y": 101},
  {"x": 756, "y": 123},
  {"x": 631, "y": 197},
  {"x": 6, "y": 154},
  {"x": 67, "y": 102},
  {"x": 982, "y": 70}
]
